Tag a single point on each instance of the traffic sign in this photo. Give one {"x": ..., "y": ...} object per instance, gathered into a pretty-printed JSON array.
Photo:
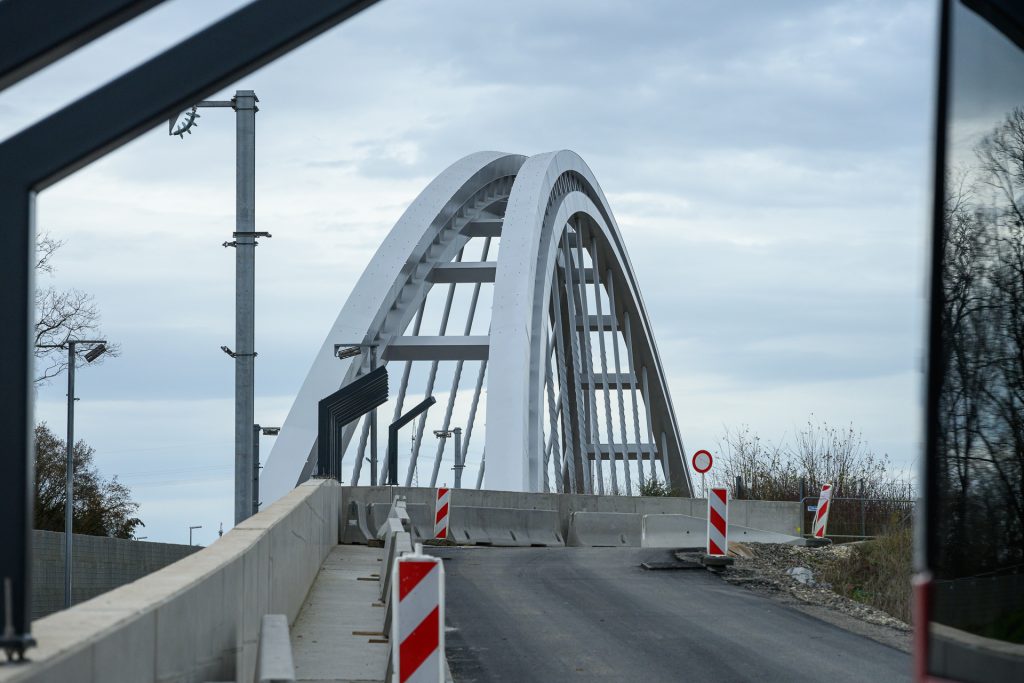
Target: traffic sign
[{"x": 702, "y": 461}]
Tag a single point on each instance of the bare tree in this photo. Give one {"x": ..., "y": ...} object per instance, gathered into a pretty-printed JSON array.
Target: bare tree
[{"x": 60, "y": 315}]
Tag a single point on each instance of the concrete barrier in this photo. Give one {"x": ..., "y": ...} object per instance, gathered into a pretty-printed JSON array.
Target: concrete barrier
[
  {"x": 420, "y": 517},
  {"x": 274, "y": 663},
  {"x": 355, "y": 527},
  {"x": 199, "y": 618},
  {"x": 604, "y": 529},
  {"x": 782, "y": 517},
  {"x": 504, "y": 526},
  {"x": 686, "y": 531}
]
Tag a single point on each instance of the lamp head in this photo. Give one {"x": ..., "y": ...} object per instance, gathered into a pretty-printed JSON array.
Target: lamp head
[{"x": 95, "y": 352}]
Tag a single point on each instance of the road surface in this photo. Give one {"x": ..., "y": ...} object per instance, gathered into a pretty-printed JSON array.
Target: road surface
[{"x": 592, "y": 614}]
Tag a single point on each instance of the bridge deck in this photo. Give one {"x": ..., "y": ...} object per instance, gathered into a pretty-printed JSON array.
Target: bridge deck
[
  {"x": 592, "y": 614},
  {"x": 325, "y": 643}
]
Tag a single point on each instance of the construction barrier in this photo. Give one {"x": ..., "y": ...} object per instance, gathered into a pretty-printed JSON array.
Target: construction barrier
[
  {"x": 417, "y": 625},
  {"x": 605, "y": 529},
  {"x": 684, "y": 531},
  {"x": 441, "y": 507},
  {"x": 821, "y": 514},
  {"x": 504, "y": 527},
  {"x": 718, "y": 522}
]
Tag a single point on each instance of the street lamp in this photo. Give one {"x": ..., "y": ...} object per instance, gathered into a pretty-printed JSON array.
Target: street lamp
[
  {"x": 350, "y": 350},
  {"x": 256, "y": 431},
  {"x": 244, "y": 242},
  {"x": 190, "y": 530},
  {"x": 459, "y": 464},
  {"x": 99, "y": 348}
]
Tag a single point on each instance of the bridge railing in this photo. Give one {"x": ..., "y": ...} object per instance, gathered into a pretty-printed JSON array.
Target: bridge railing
[{"x": 199, "y": 618}]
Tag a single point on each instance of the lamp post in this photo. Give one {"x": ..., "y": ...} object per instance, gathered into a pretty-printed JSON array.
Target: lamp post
[
  {"x": 244, "y": 242},
  {"x": 98, "y": 349},
  {"x": 190, "y": 530},
  {"x": 459, "y": 464},
  {"x": 343, "y": 351},
  {"x": 256, "y": 431}
]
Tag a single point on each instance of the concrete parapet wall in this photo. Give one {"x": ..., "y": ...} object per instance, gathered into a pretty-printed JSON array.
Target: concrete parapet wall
[
  {"x": 198, "y": 619},
  {"x": 682, "y": 531},
  {"x": 99, "y": 564},
  {"x": 782, "y": 517}
]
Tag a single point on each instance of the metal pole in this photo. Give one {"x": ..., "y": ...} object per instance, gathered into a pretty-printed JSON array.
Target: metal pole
[
  {"x": 373, "y": 424},
  {"x": 255, "y": 469},
  {"x": 245, "y": 284},
  {"x": 69, "y": 477},
  {"x": 458, "y": 457}
]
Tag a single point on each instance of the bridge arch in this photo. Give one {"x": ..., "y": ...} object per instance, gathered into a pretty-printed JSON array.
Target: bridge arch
[{"x": 574, "y": 395}]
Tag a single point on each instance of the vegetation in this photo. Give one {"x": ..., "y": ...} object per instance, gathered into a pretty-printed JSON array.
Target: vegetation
[
  {"x": 61, "y": 314},
  {"x": 102, "y": 507},
  {"x": 653, "y": 486},
  {"x": 877, "y": 572},
  {"x": 819, "y": 453}
]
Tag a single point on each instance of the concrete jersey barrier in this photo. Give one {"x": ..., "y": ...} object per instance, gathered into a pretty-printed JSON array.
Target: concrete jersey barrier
[
  {"x": 684, "y": 531},
  {"x": 605, "y": 529},
  {"x": 505, "y": 527}
]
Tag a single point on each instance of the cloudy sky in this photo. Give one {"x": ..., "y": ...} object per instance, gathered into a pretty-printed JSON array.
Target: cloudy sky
[{"x": 767, "y": 163}]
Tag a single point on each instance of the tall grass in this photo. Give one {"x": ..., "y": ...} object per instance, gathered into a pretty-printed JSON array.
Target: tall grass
[{"x": 876, "y": 572}]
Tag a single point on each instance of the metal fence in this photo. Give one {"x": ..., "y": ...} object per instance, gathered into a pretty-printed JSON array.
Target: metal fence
[{"x": 859, "y": 518}]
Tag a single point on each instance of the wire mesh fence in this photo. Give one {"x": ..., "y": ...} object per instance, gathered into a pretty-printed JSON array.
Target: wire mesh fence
[{"x": 859, "y": 518}]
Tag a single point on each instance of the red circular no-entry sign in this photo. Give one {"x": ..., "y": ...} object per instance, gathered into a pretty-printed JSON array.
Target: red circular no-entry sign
[{"x": 702, "y": 461}]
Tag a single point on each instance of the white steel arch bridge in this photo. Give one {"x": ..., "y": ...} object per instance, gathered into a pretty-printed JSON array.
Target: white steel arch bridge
[{"x": 560, "y": 372}]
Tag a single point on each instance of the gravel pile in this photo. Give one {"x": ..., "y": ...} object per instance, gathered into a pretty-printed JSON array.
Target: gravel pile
[{"x": 784, "y": 568}]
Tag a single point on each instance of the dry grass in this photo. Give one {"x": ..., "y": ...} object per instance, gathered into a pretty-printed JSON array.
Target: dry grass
[{"x": 877, "y": 572}]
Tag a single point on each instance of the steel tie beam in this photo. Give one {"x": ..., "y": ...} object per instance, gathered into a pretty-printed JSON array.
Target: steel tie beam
[
  {"x": 650, "y": 422},
  {"x": 552, "y": 415},
  {"x": 361, "y": 451},
  {"x": 609, "y": 286},
  {"x": 421, "y": 423},
  {"x": 583, "y": 437},
  {"x": 480, "y": 474},
  {"x": 569, "y": 450},
  {"x": 588, "y": 358},
  {"x": 632, "y": 390},
  {"x": 604, "y": 371},
  {"x": 474, "y": 300},
  {"x": 473, "y": 409}
]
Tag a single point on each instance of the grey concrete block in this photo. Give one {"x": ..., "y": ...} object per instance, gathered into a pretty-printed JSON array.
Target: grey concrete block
[{"x": 274, "y": 662}]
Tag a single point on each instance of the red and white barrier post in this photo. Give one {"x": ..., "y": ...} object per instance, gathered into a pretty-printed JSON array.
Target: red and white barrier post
[
  {"x": 441, "y": 509},
  {"x": 718, "y": 522},
  {"x": 417, "y": 626},
  {"x": 821, "y": 514}
]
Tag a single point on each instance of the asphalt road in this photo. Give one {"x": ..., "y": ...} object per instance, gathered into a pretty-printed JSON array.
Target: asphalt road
[{"x": 592, "y": 614}]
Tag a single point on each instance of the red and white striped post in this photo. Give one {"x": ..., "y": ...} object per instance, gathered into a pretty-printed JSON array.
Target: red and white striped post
[
  {"x": 821, "y": 514},
  {"x": 441, "y": 510},
  {"x": 718, "y": 522},
  {"x": 417, "y": 626}
]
